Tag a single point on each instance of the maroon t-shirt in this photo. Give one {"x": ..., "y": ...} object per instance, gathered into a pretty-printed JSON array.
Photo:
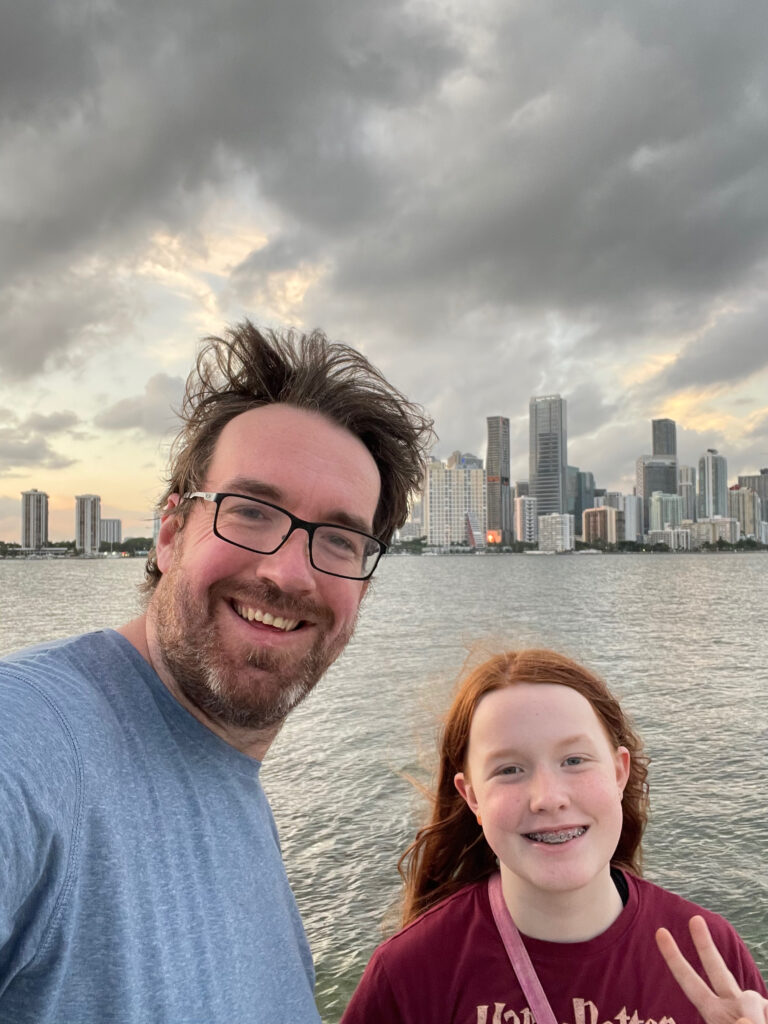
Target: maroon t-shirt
[{"x": 450, "y": 967}]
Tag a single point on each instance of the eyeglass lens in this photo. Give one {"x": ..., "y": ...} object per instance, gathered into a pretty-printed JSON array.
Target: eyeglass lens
[{"x": 255, "y": 525}]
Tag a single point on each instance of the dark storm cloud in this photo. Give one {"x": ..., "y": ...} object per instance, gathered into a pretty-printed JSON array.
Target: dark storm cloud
[
  {"x": 469, "y": 181},
  {"x": 153, "y": 412},
  {"x": 171, "y": 98}
]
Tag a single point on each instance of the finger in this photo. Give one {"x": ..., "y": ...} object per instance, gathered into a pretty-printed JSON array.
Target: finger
[
  {"x": 723, "y": 982},
  {"x": 686, "y": 977}
]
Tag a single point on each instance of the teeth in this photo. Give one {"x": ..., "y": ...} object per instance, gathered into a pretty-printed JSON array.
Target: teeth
[
  {"x": 254, "y": 615},
  {"x": 556, "y": 837}
]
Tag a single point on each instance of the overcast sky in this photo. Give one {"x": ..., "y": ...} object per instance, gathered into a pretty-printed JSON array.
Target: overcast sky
[{"x": 492, "y": 200}]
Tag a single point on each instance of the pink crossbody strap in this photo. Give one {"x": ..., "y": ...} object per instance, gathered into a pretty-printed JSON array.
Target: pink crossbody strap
[{"x": 518, "y": 954}]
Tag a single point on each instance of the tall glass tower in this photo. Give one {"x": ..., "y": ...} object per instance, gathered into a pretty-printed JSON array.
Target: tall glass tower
[
  {"x": 547, "y": 452},
  {"x": 664, "y": 437},
  {"x": 713, "y": 485},
  {"x": 499, "y": 496}
]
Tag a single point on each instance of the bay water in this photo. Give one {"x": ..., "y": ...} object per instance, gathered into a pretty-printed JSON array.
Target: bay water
[{"x": 681, "y": 639}]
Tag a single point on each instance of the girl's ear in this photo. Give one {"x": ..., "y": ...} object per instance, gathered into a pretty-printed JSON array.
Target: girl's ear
[
  {"x": 464, "y": 786},
  {"x": 622, "y": 767}
]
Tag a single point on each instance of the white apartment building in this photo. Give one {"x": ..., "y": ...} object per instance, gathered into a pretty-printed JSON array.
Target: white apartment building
[
  {"x": 526, "y": 520},
  {"x": 87, "y": 523},
  {"x": 34, "y": 519},
  {"x": 454, "y": 505},
  {"x": 111, "y": 531},
  {"x": 556, "y": 532},
  {"x": 710, "y": 531},
  {"x": 677, "y": 540}
]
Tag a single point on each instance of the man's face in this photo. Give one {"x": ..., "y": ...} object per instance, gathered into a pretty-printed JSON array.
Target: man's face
[{"x": 242, "y": 636}]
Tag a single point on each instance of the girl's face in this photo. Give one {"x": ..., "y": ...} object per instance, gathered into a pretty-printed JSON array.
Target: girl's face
[{"x": 547, "y": 783}]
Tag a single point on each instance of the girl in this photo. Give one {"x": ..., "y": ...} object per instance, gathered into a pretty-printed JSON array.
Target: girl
[{"x": 538, "y": 817}]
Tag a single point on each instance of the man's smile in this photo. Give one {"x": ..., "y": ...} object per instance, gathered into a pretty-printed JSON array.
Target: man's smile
[{"x": 267, "y": 618}]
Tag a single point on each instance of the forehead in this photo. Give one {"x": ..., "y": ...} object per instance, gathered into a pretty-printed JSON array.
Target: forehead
[
  {"x": 529, "y": 713},
  {"x": 312, "y": 465}
]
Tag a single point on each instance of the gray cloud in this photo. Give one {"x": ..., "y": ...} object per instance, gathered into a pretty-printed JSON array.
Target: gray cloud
[
  {"x": 26, "y": 444},
  {"x": 473, "y": 183},
  {"x": 152, "y": 412},
  {"x": 732, "y": 350}
]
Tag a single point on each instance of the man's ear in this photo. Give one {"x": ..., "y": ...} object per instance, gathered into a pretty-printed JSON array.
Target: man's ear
[
  {"x": 464, "y": 786},
  {"x": 170, "y": 524}
]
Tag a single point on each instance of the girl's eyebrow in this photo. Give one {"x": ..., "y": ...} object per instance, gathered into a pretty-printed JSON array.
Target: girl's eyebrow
[{"x": 578, "y": 739}]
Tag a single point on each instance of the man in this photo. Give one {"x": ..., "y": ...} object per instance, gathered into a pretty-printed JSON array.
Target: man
[{"x": 141, "y": 874}]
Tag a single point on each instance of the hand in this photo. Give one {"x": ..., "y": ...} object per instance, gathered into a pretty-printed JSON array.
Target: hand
[{"x": 725, "y": 1002}]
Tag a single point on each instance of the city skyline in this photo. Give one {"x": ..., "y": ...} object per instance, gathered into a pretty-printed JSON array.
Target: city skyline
[
  {"x": 491, "y": 203},
  {"x": 143, "y": 526}
]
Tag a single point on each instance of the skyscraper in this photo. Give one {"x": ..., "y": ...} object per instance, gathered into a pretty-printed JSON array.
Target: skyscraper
[
  {"x": 34, "y": 518},
  {"x": 686, "y": 488},
  {"x": 499, "y": 495},
  {"x": 548, "y": 456},
  {"x": 758, "y": 482},
  {"x": 654, "y": 473},
  {"x": 713, "y": 485},
  {"x": 87, "y": 523},
  {"x": 664, "y": 437}
]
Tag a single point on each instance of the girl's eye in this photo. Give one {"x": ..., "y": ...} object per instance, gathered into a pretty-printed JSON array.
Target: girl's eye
[
  {"x": 510, "y": 769},
  {"x": 573, "y": 761}
]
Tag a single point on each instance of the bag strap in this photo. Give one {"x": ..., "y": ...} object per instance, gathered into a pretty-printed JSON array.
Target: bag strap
[{"x": 518, "y": 954}]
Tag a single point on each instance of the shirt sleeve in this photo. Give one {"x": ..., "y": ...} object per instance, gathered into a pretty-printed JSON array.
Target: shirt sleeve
[
  {"x": 373, "y": 1001},
  {"x": 39, "y": 801}
]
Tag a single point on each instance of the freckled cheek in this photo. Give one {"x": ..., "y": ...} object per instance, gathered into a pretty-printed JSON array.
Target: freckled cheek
[{"x": 504, "y": 810}]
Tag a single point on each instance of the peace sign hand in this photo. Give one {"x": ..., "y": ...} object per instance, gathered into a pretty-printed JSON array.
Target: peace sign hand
[{"x": 725, "y": 1002}]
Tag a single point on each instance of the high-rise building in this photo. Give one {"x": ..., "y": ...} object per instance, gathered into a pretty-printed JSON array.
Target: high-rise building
[
  {"x": 556, "y": 532},
  {"x": 87, "y": 523},
  {"x": 454, "y": 505},
  {"x": 664, "y": 437},
  {"x": 499, "y": 495},
  {"x": 745, "y": 505},
  {"x": 654, "y": 473},
  {"x": 526, "y": 520},
  {"x": 548, "y": 455},
  {"x": 686, "y": 488},
  {"x": 713, "y": 485},
  {"x": 665, "y": 511},
  {"x": 603, "y": 525},
  {"x": 521, "y": 489},
  {"x": 758, "y": 482},
  {"x": 34, "y": 519},
  {"x": 633, "y": 518},
  {"x": 110, "y": 531}
]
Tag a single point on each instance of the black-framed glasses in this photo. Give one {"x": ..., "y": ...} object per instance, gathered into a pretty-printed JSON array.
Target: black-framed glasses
[{"x": 262, "y": 527}]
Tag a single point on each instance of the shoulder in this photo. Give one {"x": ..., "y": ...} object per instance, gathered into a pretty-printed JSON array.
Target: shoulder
[
  {"x": 660, "y": 908},
  {"x": 448, "y": 922}
]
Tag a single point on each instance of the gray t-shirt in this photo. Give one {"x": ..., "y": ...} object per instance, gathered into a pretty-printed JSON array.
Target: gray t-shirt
[{"x": 140, "y": 872}]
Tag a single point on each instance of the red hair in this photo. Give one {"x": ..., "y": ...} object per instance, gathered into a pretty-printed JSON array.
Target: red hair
[{"x": 451, "y": 851}]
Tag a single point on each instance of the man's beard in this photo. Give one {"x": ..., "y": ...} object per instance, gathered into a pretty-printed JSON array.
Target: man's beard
[{"x": 249, "y": 687}]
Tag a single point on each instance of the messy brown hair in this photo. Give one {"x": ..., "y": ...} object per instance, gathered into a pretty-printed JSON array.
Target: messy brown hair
[
  {"x": 248, "y": 368},
  {"x": 451, "y": 851}
]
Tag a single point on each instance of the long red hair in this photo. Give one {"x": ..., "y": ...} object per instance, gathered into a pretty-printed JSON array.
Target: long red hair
[{"x": 450, "y": 851}]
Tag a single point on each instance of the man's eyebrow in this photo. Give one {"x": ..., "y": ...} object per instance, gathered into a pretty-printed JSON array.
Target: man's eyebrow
[{"x": 260, "y": 489}]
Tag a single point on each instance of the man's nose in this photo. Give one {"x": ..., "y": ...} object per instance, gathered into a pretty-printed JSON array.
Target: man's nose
[{"x": 289, "y": 568}]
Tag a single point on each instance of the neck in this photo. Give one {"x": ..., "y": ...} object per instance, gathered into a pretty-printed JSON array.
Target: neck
[
  {"x": 252, "y": 742},
  {"x": 573, "y": 916}
]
